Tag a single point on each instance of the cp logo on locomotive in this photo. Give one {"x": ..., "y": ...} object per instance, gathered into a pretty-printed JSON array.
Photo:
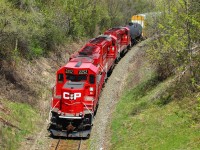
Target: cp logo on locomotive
[{"x": 74, "y": 96}]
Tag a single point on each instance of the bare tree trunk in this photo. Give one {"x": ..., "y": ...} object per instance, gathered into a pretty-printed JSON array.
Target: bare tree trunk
[{"x": 188, "y": 37}]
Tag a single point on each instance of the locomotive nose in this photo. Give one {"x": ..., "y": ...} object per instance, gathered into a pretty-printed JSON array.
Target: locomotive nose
[
  {"x": 72, "y": 97},
  {"x": 73, "y": 90}
]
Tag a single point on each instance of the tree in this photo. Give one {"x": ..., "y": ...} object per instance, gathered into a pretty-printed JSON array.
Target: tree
[{"x": 176, "y": 49}]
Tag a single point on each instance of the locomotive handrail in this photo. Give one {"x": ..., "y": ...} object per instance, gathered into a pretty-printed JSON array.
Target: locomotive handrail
[
  {"x": 72, "y": 104},
  {"x": 83, "y": 104},
  {"x": 70, "y": 117},
  {"x": 53, "y": 90},
  {"x": 88, "y": 109},
  {"x": 101, "y": 66},
  {"x": 52, "y": 109}
]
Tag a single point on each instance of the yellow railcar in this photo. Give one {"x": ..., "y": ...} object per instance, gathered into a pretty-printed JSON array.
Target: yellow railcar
[
  {"x": 140, "y": 19},
  {"x": 144, "y": 20}
]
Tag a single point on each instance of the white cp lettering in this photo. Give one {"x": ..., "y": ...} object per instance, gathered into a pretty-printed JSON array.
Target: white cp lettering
[{"x": 74, "y": 96}]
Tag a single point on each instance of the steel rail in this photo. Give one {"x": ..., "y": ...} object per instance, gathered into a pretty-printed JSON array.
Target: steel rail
[
  {"x": 66, "y": 144},
  {"x": 57, "y": 144}
]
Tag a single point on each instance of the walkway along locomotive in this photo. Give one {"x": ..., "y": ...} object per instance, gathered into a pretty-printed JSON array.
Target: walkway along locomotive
[{"x": 79, "y": 83}]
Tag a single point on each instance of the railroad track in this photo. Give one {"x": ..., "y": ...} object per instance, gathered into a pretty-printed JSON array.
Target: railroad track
[{"x": 65, "y": 144}]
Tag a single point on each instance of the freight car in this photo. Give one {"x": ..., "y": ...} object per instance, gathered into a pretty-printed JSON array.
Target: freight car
[{"x": 79, "y": 83}]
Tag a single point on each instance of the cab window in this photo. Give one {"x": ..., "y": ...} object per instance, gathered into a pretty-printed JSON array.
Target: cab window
[
  {"x": 76, "y": 78},
  {"x": 81, "y": 77},
  {"x": 71, "y": 77},
  {"x": 92, "y": 79},
  {"x": 60, "y": 77}
]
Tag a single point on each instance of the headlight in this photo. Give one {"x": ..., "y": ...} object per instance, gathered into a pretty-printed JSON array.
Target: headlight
[
  {"x": 113, "y": 48},
  {"x": 91, "y": 89},
  {"x": 80, "y": 114}
]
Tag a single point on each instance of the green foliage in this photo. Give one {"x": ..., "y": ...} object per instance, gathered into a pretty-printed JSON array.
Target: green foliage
[
  {"x": 176, "y": 46},
  {"x": 18, "y": 27},
  {"x": 146, "y": 118},
  {"x": 35, "y": 51},
  {"x": 82, "y": 16},
  {"x": 23, "y": 117},
  {"x": 40, "y": 26},
  {"x": 155, "y": 114}
]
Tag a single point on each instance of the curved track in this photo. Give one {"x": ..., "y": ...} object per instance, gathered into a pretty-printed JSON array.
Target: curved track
[{"x": 65, "y": 144}]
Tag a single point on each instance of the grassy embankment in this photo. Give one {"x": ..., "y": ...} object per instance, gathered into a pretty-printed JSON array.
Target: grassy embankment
[
  {"x": 149, "y": 117},
  {"x": 19, "y": 121}
]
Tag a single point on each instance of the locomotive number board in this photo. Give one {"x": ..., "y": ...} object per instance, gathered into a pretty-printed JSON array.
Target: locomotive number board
[
  {"x": 69, "y": 71},
  {"x": 82, "y": 72}
]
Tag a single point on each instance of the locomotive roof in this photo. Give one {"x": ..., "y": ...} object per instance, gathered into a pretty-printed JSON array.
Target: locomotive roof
[
  {"x": 116, "y": 29},
  {"x": 82, "y": 59},
  {"x": 82, "y": 63},
  {"x": 89, "y": 50},
  {"x": 101, "y": 39}
]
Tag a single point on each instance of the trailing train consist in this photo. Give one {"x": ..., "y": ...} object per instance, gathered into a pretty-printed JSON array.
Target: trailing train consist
[{"x": 80, "y": 81}]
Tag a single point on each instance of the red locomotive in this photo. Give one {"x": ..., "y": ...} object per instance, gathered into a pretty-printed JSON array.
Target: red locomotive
[{"x": 80, "y": 81}]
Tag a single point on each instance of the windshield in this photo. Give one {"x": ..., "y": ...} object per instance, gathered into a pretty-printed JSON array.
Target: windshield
[{"x": 74, "y": 78}]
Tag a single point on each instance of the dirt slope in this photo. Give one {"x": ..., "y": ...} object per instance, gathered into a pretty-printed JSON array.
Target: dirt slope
[{"x": 24, "y": 81}]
